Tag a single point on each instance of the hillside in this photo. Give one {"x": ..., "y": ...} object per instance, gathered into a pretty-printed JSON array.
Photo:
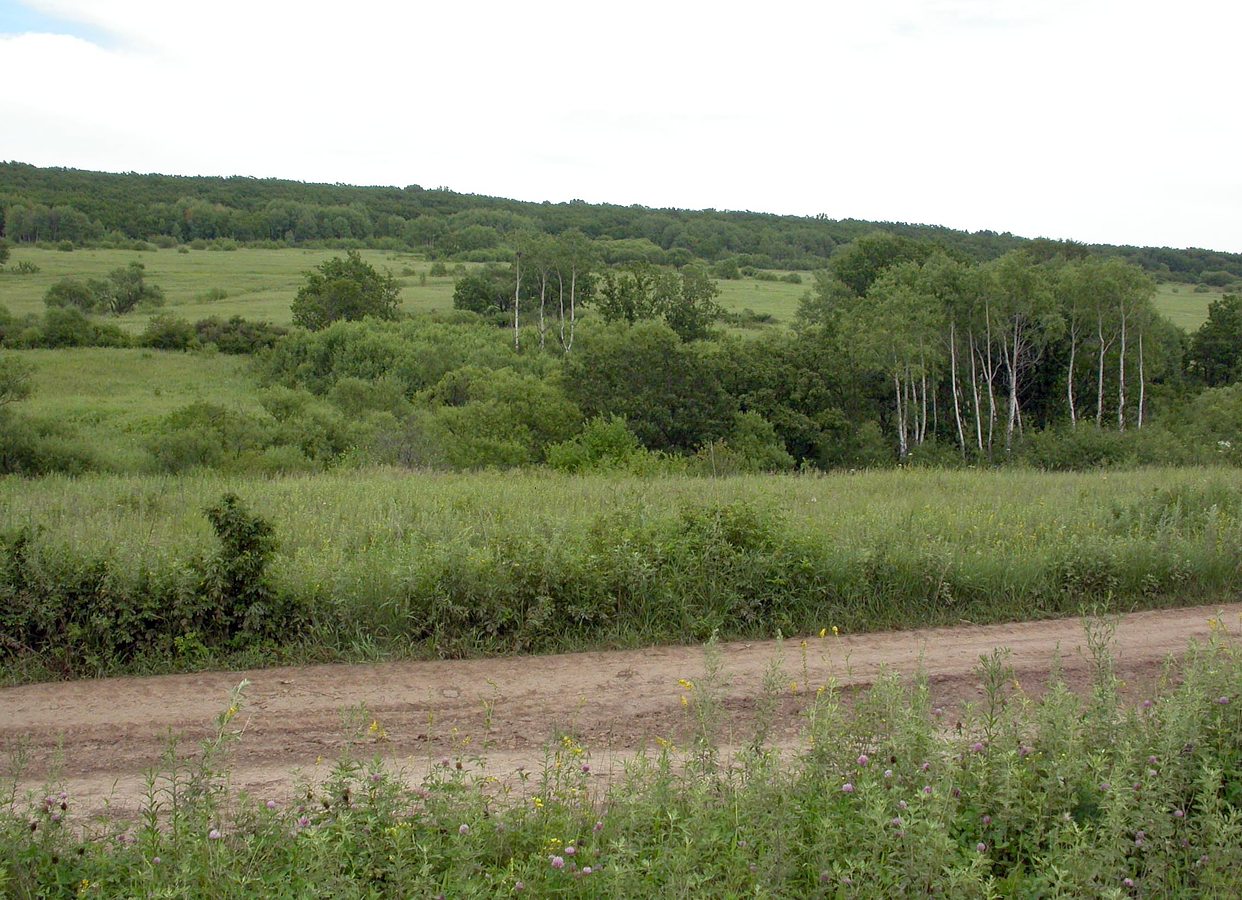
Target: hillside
[{"x": 54, "y": 204}]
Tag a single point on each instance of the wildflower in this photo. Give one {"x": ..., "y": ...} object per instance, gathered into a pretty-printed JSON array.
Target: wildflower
[
  {"x": 863, "y": 760},
  {"x": 1140, "y": 838},
  {"x": 956, "y": 792},
  {"x": 556, "y": 862},
  {"x": 1151, "y": 760},
  {"x": 903, "y": 805},
  {"x": 1128, "y": 882},
  {"x": 925, "y": 767},
  {"x": 937, "y": 712},
  {"x": 1223, "y": 701},
  {"x": 981, "y": 847},
  {"x": 1179, "y": 813},
  {"x": 155, "y": 860},
  {"x": 987, "y": 820},
  {"x": 1024, "y": 751},
  {"x": 571, "y": 850},
  {"x": 519, "y": 886},
  {"x": 463, "y": 829},
  {"x": 927, "y": 789},
  {"x": 686, "y": 683},
  {"x": 586, "y": 768},
  {"x": 599, "y": 826},
  {"x": 1105, "y": 786},
  {"x": 587, "y": 870},
  {"x": 1147, "y": 704},
  {"x": 888, "y": 773},
  {"x": 303, "y": 822},
  {"x": 823, "y": 632},
  {"x": 847, "y": 788},
  {"x": 213, "y": 835},
  {"x": 977, "y": 747},
  {"x": 271, "y": 804},
  {"x": 896, "y": 820},
  {"x": 835, "y": 631}
]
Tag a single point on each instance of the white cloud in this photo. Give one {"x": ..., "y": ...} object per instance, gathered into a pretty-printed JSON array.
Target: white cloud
[{"x": 1096, "y": 120}]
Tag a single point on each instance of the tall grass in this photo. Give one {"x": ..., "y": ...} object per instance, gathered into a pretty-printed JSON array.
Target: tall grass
[
  {"x": 1056, "y": 796},
  {"x": 454, "y": 565}
]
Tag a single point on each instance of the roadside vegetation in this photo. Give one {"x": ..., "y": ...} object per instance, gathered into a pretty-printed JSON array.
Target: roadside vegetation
[
  {"x": 1055, "y": 794},
  {"x": 124, "y": 574}
]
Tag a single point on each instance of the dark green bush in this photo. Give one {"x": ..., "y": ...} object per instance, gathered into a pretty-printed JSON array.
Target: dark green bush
[
  {"x": 168, "y": 333},
  {"x": 81, "y": 616},
  {"x": 237, "y": 335}
]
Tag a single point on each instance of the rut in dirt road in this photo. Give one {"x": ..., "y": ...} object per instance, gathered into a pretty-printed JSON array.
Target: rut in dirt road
[{"x": 98, "y": 738}]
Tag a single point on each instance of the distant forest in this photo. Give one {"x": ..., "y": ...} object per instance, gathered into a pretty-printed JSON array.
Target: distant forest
[{"x": 42, "y": 205}]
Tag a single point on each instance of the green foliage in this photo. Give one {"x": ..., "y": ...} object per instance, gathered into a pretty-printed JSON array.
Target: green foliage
[
  {"x": 1216, "y": 348},
  {"x": 128, "y": 290},
  {"x": 237, "y": 335},
  {"x": 665, "y": 390},
  {"x": 85, "y": 296},
  {"x": 237, "y": 585},
  {"x": 1029, "y": 795},
  {"x": 538, "y": 562},
  {"x": 168, "y": 333},
  {"x": 752, "y": 446},
  {"x": 84, "y": 615},
  {"x": 206, "y": 435},
  {"x": 15, "y": 377},
  {"x": 858, "y": 265},
  {"x": 487, "y": 290},
  {"x": 686, "y": 301},
  {"x": 605, "y": 444},
  {"x": 347, "y": 289},
  {"x": 4, "y": 251}
]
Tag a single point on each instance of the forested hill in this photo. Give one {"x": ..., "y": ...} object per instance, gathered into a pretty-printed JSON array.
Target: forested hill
[{"x": 53, "y": 204}]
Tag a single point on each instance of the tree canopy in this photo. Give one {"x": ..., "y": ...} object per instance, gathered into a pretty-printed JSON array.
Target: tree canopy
[{"x": 346, "y": 288}]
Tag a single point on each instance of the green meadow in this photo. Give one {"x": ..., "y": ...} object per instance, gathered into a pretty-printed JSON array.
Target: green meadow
[{"x": 260, "y": 284}]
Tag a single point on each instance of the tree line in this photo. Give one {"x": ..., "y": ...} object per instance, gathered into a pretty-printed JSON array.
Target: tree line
[{"x": 54, "y": 205}]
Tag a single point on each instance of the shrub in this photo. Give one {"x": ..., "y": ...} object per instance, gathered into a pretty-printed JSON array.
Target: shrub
[
  {"x": 69, "y": 292},
  {"x": 168, "y": 333},
  {"x": 238, "y": 335},
  {"x": 605, "y": 443}
]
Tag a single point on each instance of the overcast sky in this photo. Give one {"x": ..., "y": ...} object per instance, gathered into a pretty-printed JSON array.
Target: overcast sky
[{"x": 1111, "y": 121}]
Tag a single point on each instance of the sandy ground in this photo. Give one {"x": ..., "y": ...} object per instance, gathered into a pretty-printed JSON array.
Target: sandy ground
[{"x": 98, "y": 739}]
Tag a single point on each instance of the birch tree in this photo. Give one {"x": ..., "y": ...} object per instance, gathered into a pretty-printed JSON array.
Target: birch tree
[{"x": 1026, "y": 319}]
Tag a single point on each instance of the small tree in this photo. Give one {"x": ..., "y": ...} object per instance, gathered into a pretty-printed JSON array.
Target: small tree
[
  {"x": 4, "y": 251},
  {"x": 127, "y": 289},
  {"x": 349, "y": 289},
  {"x": 14, "y": 380}
]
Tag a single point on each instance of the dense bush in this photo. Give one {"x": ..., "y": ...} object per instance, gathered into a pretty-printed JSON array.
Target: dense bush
[
  {"x": 81, "y": 615},
  {"x": 237, "y": 335}
]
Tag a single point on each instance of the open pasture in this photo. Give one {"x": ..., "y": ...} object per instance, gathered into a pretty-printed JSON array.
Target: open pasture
[{"x": 260, "y": 284}]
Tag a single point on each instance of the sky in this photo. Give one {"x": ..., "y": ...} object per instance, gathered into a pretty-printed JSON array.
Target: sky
[{"x": 1103, "y": 121}]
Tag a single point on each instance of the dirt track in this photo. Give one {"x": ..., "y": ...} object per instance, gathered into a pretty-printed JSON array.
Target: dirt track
[{"x": 108, "y": 733}]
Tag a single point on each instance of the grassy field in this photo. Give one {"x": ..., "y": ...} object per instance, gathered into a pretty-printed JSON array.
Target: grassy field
[
  {"x": 393, "y": 562},
  {"x": 260, "y": 284},
  {"x": 112, "y": 398},
  {"x": 1183, "y": 306}
]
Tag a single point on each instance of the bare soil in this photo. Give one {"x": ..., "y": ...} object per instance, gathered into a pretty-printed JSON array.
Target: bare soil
[{"x": 97, "y": 739}]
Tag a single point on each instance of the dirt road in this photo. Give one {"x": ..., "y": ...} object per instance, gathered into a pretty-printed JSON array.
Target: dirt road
[{"x": 96, "y": 739}]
